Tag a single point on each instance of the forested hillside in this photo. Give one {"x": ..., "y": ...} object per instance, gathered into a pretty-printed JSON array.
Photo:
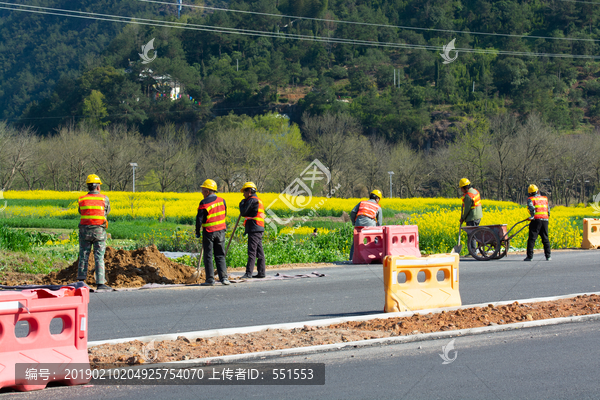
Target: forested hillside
[
  {"x": 363, "y": 82},
  {"x": 53, "y": 66}
]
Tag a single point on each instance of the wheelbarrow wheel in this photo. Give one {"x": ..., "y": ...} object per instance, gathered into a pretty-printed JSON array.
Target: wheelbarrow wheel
[
  {"x": 483, "y": 244},
  {"x": 504, "y": 246}
]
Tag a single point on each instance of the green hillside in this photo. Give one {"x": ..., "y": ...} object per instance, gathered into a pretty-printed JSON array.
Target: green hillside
[{"x": 58, "y": 70}]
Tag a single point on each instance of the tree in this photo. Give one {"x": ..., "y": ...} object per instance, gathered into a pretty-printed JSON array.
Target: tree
[
  {"x": 16, "y": 152},
  {"x": 170, "y": 158},
  {"x": 116, "y": 148},
  {"x": 333, "y": 139},
  {"x": 503, "y": 129},
  {"x": 93, "y": 109}
]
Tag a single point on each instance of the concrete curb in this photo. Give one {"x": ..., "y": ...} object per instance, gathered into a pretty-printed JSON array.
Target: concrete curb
[
  {"x": 330, "y": 321},
  {"x": 197, "y": 362}
]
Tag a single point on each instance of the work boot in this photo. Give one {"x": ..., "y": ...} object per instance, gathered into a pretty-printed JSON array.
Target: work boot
[
  {"x": 208, "y": 284},
  {"x": 246, "y": 276},
  {"x": 527, "y": 259},
  {"x": 102, "y": 286},
  {"x": 225, "y": 282}
]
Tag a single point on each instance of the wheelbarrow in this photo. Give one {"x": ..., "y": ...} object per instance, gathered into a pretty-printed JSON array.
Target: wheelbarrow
[{"x": 490, "y": 241}]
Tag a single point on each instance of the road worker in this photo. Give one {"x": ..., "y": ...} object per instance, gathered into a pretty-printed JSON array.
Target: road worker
[
  {"x": 472, "y": 211},
  {"x": 540, "y": 214},
  {"x": 253, "y": 211},
  {"x": 93, "y": 207},
  {"x": 367, "y": 213},
  {"x": 211, "y": 216}
]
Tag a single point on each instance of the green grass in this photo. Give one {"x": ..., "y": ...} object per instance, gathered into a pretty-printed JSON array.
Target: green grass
[
  {"x": 330, "y": 247},
  {"x": 124, "y": 229},
  {"x": 39, "y": 203}
]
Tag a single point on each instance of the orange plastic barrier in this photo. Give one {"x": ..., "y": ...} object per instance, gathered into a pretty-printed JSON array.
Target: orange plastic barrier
[
  {"x": 591, "y": 233},
  {"x": 419, "y": 283},
  {"x": 401, "y": 240},
  {"x": 368, "y": 244},
  {"x": 40, "y": 308}
]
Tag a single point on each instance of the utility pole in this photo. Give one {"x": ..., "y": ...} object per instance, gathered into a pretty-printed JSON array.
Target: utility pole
[
  {"x": 179, "y": 9},
  {"x": 391, "y": 173},
  {"x": 133, "y": 165}
]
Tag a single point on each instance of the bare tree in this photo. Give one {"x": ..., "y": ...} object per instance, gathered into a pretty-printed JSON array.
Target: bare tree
[
  {"x": 170, "y": 158},
  {"x": 471, "y": 150},
  {"x": 503, "y": 129},
  {"x": 75, "y": 149},
  {"x": 410, "y": 169},
  {"x": 535, "y": 146},
  {"x": 116, "y": 148},
  {"x": 333, "y": 139},
  {"x": 224, "y": 155},
  {"x": 373, "y": 164},
  {"x": 16, "y": 151}
]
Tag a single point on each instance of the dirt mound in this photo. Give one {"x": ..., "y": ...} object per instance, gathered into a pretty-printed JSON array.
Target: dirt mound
[
  {"x": 127, "y": 269},
  {"x": 275, "y": 339}
]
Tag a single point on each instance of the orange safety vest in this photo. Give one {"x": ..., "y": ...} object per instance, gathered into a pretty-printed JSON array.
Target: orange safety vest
[
  {"x": 541, "y": 207},
  {"x": 260, "y": 216},
  {"x": 475, "y": 197},
  {"x": 368, "y": 208},
  {"x": 91, "y": 208},
  {"x": 216, "y": 213}
]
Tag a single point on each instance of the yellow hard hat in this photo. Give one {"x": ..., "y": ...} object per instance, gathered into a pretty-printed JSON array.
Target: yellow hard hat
[
  {"x": 377, "y": 193},
  {"x": 210, "y": 184},
  {"x": 93, "y": 178},
  {"x": 248, "y": 185},
  {"x": 464, "y": 182},
  {"x": 532, "y": 189}
]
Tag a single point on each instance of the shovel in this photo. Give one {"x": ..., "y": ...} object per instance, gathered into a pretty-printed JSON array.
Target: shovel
[
  {"x": 196, "y": 274},
  {"x": 232, "y": 233},
  {"x": 458, "y": 247}
]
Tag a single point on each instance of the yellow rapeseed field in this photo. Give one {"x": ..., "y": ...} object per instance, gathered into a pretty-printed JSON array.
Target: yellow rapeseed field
[{"x": 437, "y": 218}]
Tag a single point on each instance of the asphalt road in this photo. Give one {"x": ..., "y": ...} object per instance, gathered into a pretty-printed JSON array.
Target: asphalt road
[
  {"x": 346, "y": 291},
  {"x": 552, "y": 362}
]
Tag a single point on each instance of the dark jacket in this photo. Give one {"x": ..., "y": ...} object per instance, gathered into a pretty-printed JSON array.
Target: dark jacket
[
  {"x": 249, "y": 208},
  {"x": 202, "y": 214}
]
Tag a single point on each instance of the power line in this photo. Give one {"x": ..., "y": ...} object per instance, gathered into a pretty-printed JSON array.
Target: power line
[
  {"x": 247, "y": 32},
  {"x": 379, "y": 25}
]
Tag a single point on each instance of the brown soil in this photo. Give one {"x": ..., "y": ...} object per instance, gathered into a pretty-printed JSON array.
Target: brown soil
[
  {"x": 131, "y": 269},
  {"x": 124, "y": 269},
  {"x": 184, "y": 349}
]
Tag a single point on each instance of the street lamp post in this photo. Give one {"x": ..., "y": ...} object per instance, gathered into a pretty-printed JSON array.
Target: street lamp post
[
  {"x": 133, "y": 165},
  {"x": 391, "y": 173}
]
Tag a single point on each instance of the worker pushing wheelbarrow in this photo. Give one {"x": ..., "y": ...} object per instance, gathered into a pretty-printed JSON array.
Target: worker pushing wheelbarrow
[
  {"x": 490, "y": 241},
  {"x": 484, "y": 242}
]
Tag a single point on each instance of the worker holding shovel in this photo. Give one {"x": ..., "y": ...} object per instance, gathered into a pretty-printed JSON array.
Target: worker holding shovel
[
  {"x": 472, "y": 211},
  {"x": 253, "y": 211},
  {"x": 211, "y": 216}
]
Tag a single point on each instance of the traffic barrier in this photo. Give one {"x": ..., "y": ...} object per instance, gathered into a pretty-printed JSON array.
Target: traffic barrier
[
  {"x": 45, "y": 342},
  {"x": 368, "y": 244},
  {"x": 591, "y": 233},
  {"x": 418, "y": 283},
  {"x": 401, "y": 240}
]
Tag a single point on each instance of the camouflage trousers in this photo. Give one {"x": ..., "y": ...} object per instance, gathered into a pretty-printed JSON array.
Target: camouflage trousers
[{"x": 92, "y": 236}]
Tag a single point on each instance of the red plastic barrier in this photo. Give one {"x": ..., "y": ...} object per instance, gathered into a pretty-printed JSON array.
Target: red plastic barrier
[
  {"x": 39, "y": 307},
  {"x": 401, "y": 240},
  {"x": 368, "y": 244}
]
